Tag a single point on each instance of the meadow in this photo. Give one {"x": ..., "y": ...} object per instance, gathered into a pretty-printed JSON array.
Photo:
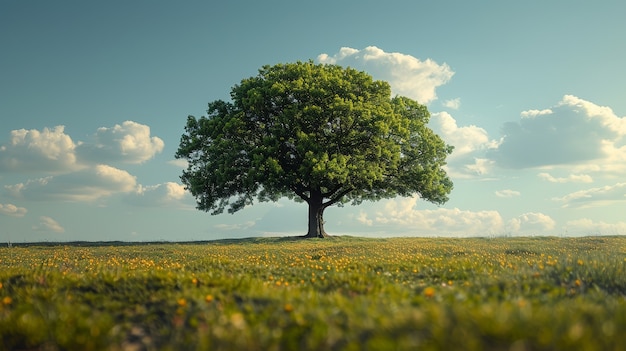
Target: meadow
[{"x": 340, "y": 293}]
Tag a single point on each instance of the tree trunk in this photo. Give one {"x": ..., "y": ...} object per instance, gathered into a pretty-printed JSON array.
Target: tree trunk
[{"x": 316, "y": 216}]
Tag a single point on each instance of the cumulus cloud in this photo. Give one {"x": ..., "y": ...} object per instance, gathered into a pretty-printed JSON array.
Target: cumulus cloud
[
  {"x": 586, "y": 226},
  {"x": 599, "y": 196},
  {"x": 12, "y": 210},
  {"x": 407, "y": 75},
  {"x": 572, "y": 178},
  {"x": 49, "y": 150},
  {"x": 531, "y": 223},
  {"x": 79, "y": 171},
  {"x": 47, "y": 224},
  {"x": 166, "y": 194},
  {"x": 535, "y": 113},
  {"x": 470, "y": 144},
  {"x": 363, "y": 219},
  {"x": 506, "y": 193},
  {"x": 465, "y": 139},
  {"x": 129, "y": 142},
  {"x": 401, "y": 215},
  {"x": 84, "y": 185},
  {"x": 573, "y": 132}
]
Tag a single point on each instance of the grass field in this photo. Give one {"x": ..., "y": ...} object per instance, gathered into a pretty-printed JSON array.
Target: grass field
[{"x": 325, "y": 294}]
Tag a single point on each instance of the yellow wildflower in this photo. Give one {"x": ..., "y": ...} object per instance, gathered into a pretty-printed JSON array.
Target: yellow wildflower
[{"x": 288, "y": 307}]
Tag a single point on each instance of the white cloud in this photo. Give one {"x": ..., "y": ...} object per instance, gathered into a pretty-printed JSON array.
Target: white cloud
[
  {"x": 78, "y": 171},
  {"x": 535, "y": 113},
  {"x": 574, "y": 132},
  {"x": 599, "y": 196},
  {"x": 531, "y": 223},
  {"x": 362, "y": 218},
  {"x": 12, "y": 210},
  {"x": 401, "y": 216},
  {"x": 48, "y": 224},
  {"x": 603, "y": 114},
  {"x": 129, "y": 142},
  {"x": 407, "y": 75},
  {"x": 470, "y": 143},
  {"x": 611, "y": 166},
  {"x": 49, "y": 150},
  {"x": 166, "y": 194},
  {"x": 585, "y": 226},
  {"x": 52, "y": 151},
  {"x": 507, "y": 193},
  {"x": 452, "y": 103},
  {"x": 480, "y": 167},
  {"x": 238, "y": 226},
  {"x": 84, "y": 185},
  {"x": 572, "y": 178},
  {"x": 465, "y": 139}
]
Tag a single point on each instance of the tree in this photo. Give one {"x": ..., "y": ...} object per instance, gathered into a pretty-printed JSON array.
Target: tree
[{"x": 322, "y": 134}]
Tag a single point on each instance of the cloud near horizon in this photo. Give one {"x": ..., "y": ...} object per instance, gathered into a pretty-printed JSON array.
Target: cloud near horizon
[
  {"x": 531, "y": 223},
  {"x": 402, "y": 216},
  {"x": 233, "y": 227},
  {"x": 407, "y": 75},
  {"x": 599, "y": 196},
  {"x": 81, "y": 171},
  {"x": 47, "y": 224},
  {"x": 586, "y": 226},
  {"x": 12, "y": 210},
  {"x": 161, "y": 195},
  {"x": 84, "y": 185}
]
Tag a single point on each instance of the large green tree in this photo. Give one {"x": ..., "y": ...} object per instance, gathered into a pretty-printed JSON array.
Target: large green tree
[{"x": 322, "y": 134}]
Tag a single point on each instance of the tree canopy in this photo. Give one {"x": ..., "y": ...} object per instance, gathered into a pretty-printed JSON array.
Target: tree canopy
[{"x": 318, "y": 133}]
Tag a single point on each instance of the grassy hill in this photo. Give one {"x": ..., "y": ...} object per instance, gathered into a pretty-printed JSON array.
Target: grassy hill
[{"x": 342, "y": 293}]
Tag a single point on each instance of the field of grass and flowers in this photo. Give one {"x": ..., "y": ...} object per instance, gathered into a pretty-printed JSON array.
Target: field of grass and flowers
[{"x": 325, "y": 294}]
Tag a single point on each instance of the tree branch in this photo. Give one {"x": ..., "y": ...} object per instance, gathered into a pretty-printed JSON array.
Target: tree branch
[
  {"x": 332, "y": 192},
  {"x": 337, "y": 198},
  {"x": 300, "y": 191}
]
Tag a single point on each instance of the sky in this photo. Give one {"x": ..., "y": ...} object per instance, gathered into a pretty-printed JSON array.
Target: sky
[{"x": 94, "y": 97}]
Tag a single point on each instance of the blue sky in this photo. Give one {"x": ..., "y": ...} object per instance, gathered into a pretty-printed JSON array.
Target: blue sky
[{"x": 94, "y": 98}]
